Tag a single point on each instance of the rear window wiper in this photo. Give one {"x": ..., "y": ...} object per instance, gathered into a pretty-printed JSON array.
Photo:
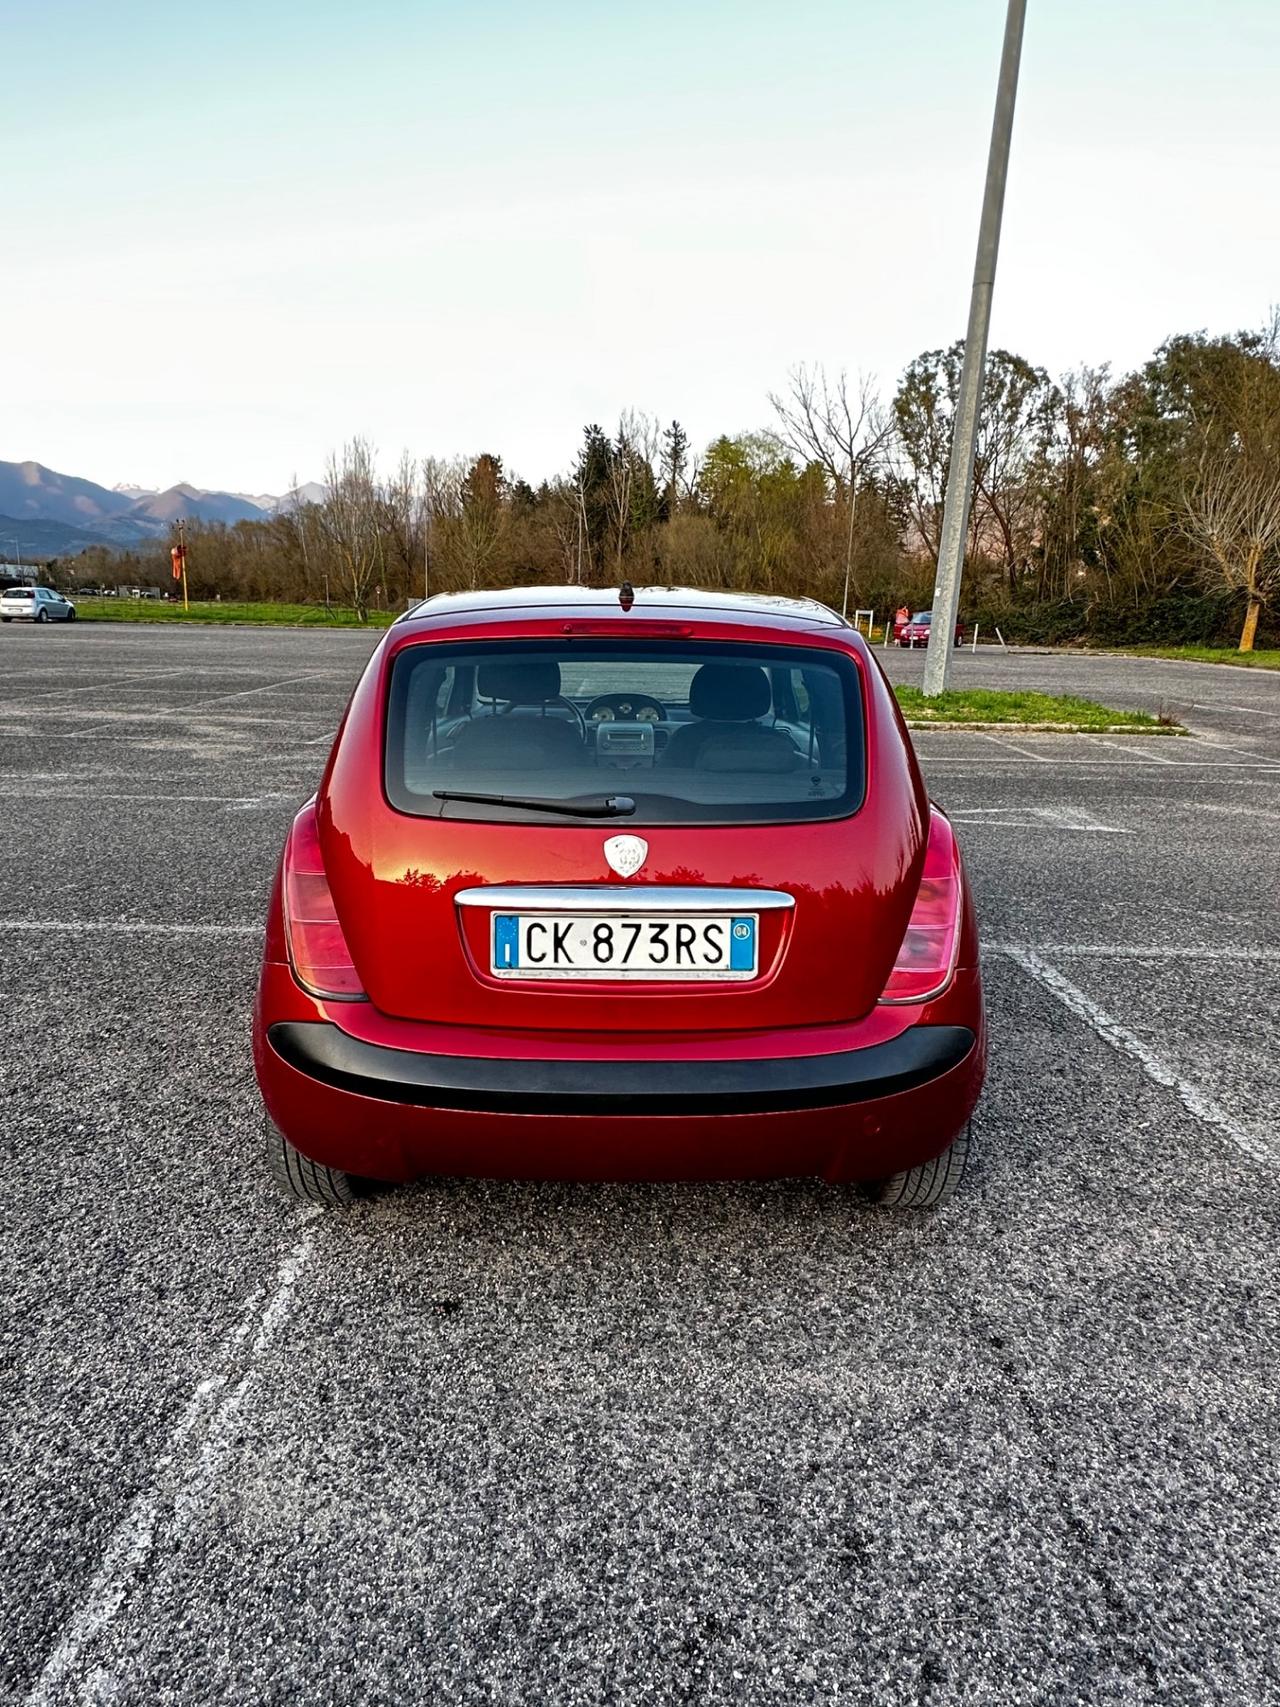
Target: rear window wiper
[{"x": 595, "y": 806}]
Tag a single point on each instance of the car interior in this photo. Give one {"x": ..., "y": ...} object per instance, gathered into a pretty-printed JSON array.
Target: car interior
[{"x": 764, "y": 725}]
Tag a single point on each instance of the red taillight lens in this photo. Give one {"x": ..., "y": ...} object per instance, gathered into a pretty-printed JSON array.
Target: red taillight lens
[
  {"x": 927, "y": 957},
  {"x": 318, "y": 950}
]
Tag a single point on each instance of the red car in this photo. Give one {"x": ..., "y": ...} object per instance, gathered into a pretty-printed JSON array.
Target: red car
[
  {"x": 621, "y": 887},
  {"x": 917, "y": 631}
]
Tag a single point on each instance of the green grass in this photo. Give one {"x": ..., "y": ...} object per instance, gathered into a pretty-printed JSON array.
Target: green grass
[
  {"x": 982, "y": 705},
  {"x": 276, "y": 616},
  {"x": 1266, "y": 658}
]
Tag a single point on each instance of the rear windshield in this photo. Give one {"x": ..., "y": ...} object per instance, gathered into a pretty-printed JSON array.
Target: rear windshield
[
  {"x": 667, "y": 732},
  {"x": 17, "y": 593}
]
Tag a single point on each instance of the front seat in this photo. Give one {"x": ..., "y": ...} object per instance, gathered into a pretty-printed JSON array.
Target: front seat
[
  {"x": 513, "y": 743},
  {"x": 727, "y": 699}
]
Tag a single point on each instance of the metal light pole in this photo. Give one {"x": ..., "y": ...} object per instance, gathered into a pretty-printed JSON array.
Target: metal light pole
[{"x": 955, "y": 514}]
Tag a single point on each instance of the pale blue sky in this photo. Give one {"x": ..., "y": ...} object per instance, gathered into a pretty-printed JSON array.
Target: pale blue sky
[{"x": 235, "y": 234}]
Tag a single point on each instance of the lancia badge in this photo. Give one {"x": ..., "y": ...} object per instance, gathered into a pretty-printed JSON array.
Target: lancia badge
[{"x": 626, "y": 854}]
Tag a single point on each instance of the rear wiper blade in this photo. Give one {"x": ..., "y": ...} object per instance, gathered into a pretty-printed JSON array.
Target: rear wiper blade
[{"x": 596, "y": 806}]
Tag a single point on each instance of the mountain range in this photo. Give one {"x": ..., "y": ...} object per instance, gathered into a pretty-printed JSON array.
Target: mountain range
[{"x": 44, "y": 513}]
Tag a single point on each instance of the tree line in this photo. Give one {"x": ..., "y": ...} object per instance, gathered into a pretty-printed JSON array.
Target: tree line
[{"x": 1139, "y": 506}]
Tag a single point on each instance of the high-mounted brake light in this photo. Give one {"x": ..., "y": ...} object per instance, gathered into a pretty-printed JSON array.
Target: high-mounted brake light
[
  {"x": 927, "y": 958},
  {"x": 318, "y": 950}
]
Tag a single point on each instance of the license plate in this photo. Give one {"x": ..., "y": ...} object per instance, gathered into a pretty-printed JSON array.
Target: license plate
[{"x": 630, "y": 947}]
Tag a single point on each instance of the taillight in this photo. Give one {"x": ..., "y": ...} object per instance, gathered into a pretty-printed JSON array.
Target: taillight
[
  {"x": 927, "y": 957},
  {"x": 318, "y": 950}
]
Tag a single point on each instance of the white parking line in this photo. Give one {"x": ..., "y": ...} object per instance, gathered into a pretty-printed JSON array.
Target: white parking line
[
  {"x": 1226, "y": 705},
  {"x": 127, "y": 927},
  {"x": 1262, "y": 763},
  {"x": 172, "y": 1495},
  {"x": 1146, "y": 755},
  {"x": 1136, "y": 951},
  {"x": 1065, "y": 818},
  {"x": 238, "y": 802},
  {"x": 1197, "y": 741},
  {"x": 244, "y": 693},
  {"x": 1001, "y": 741},
  {"x": 97, "y": 687},
  {"x": 1120, "y": 1037}
]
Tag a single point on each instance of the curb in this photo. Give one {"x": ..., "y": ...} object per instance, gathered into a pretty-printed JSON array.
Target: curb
[{"x": 1048, "y": 728}]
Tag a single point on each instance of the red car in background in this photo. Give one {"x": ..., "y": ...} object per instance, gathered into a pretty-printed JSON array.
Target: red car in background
[
  {"x": 606, "y": 886},
  {"x": 916, "y": 632}
]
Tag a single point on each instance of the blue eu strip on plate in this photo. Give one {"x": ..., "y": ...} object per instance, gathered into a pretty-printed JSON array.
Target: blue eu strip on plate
[{"x": 506, "y": 941}]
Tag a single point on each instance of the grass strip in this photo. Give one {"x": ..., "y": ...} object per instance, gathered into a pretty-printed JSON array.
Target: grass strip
[
  {"x": 1266, "y": 658},
  {"x": 1065, "y": 712},
  {"x": 225, "y": 611}
]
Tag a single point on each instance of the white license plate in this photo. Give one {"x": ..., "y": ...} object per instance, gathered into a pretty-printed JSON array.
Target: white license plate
[{"x": 631, "y": 947}]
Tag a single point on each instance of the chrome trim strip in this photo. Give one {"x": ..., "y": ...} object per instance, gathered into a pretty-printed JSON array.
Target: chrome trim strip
[{"x": 623, "y": 898}]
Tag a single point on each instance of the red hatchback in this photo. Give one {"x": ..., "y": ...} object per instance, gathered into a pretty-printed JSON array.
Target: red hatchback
[
  {"x": 917, "y": 631},
  {"x": 603, "y": 887}
]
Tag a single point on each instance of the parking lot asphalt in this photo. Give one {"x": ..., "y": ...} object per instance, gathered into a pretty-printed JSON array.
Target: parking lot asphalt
[{"x": 477, "y": 1443}]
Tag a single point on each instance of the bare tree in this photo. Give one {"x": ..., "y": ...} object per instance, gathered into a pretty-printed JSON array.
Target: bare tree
[
  {"x": 1232, "y": 512},
  {"x": 847, "y": 433},
  {"x": 442, "y": 479},
  {"x": 402, "y": 504},
  {"x": 634, "y": 452},
  {"x": 822, "y": 420},
  {"x": 350, "y": 519}
]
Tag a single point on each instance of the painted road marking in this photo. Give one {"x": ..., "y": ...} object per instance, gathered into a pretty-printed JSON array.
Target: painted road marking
[
  {"x": 101, "y": 687},
  {"x": 128, "y": 927},
  {"x": 184, "y": 1471},
  {"x": 1015, "y": 817},
  {"x": 1134, "y": 951},
  {"x": 1002, "y": 741},
  {"x": 244, "y": 693},
  {"x": 1146, "y": 754},
  {"x": 1122, "y": 1039},
  {"x": 238, "y": 802}
]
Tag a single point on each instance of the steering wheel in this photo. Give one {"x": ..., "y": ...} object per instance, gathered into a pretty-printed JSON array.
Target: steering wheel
[
  {"x": 559, "y": 699},
  {"x": 625, "y": 708}
]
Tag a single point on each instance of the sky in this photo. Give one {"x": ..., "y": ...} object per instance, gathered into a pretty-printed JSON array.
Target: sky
[{"x": 235, "y": 235}]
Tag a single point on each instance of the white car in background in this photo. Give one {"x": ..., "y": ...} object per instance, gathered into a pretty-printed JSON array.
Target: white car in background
[{"x": 35, "y": 604}]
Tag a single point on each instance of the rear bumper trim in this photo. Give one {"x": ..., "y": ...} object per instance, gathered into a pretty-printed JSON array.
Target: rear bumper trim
[{"x": 567, "y": 1087}]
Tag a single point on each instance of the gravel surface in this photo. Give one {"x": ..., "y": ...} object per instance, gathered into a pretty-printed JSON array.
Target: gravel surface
[{"x": 479, "y": 1443}]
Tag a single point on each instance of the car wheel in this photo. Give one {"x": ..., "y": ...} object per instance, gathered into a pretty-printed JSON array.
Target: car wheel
[
  {"x": 6, "y": 619},
  {"x": 71, "y": 616},
  {"x": 298, "y": 1176},
  {"x": 42, "y": 616},
  {"x": 930, "y": 1183}
]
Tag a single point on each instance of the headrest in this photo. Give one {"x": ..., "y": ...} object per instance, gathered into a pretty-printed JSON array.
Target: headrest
[
  {"x": 521, "y": 683},
  {"x": 761, "y": 752},
  {"x": 731, "y": 693}
]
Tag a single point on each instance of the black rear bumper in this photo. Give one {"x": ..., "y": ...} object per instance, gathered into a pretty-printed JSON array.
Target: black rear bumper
[{"x": 559, "y": 1087}]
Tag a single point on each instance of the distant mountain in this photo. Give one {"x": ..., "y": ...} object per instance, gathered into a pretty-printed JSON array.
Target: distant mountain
[
  {"x": 188, "y": 503},
  {"x": 44, "y": 512},
  {"x": 33, "y": 492},
  {"x": 33, "y": 542},
  {"x": 310, "y": 492}
]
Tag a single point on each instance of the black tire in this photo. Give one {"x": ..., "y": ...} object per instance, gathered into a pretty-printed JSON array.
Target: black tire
[
  {"x": 71, "y": 616},
  {"x": 6, "y": 619},
  {"x": 42, "y": 616},
  {"x": 298, "y": 1176},
  {"x": 931, "y": 1183}
]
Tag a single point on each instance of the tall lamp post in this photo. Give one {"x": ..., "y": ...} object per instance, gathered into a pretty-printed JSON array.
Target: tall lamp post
[{"x": 955, "y": 512}]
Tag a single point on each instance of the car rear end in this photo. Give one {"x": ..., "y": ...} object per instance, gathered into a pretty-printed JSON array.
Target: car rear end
[
  {"x": 18, "y": 603},
  {"x": 621, "y": 897}
]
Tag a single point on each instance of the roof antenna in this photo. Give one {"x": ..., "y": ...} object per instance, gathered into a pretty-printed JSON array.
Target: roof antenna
[{"x": 626, "y": 595}]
